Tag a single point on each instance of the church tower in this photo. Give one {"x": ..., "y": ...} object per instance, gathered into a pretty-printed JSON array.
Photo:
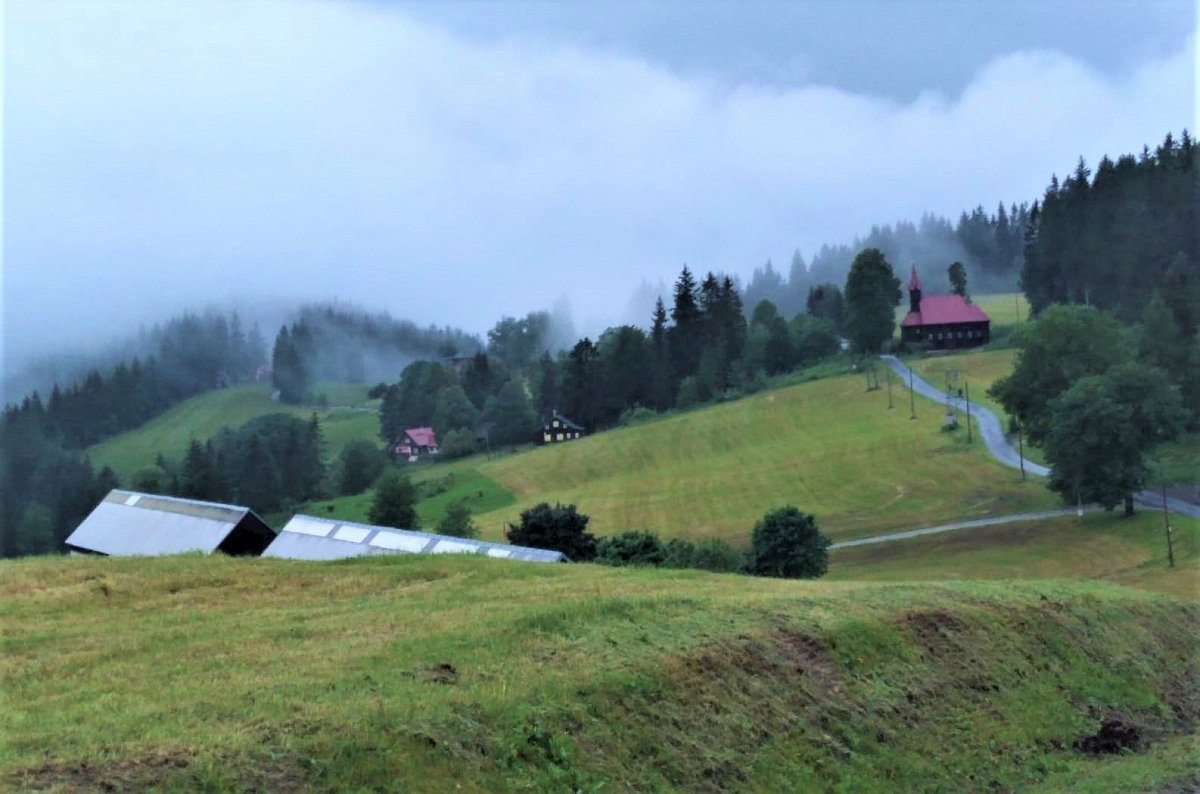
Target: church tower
[{"x": 914, "y": 293}]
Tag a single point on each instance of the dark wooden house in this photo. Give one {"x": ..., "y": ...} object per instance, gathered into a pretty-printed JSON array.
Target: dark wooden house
[
  {"x": 559, "y": 428},
  {"x": 942, "y": 322}
]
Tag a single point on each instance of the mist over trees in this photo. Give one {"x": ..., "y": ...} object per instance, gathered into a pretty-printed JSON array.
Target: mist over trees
[{"x": 990, "y": 246}]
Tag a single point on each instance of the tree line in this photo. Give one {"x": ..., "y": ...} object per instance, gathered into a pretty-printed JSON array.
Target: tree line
[
  {"x": 702, "y": 349},
  {"x": 1117, "y": 238}
]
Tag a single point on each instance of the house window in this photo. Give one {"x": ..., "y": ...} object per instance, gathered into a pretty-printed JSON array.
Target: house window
[
  {"x": 545, "y": 436},
  {"x": 556, "y": 423},
  {"x": 559, "y": 438}
]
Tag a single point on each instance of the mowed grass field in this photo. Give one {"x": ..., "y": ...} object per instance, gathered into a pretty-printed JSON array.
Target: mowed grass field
[
  {"x": 828, "y": 447},
  {"x": 350, "y": 417},
  {"x": 415, "y": 673},
  {"x": 1129, "y": 551}
]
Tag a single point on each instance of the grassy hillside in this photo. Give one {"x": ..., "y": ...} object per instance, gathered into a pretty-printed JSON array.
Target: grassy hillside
[
  {"x": 1108, "y": 546},
  {"x": 828, "y": 447},
  {"x": 1180, "y": 458},
  {"x": 428, "y": 674},
  {"x": 349, "y": 417}
]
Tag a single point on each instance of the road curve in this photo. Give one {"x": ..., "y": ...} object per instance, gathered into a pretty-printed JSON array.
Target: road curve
[{"x": 993, "y": 437}]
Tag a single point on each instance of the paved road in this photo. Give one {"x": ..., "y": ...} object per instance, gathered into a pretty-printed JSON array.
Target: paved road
[
  {"x": 987, "y": 422},
  {"x": 979, "y": 522},
  {"x": 993, "y": 436}
]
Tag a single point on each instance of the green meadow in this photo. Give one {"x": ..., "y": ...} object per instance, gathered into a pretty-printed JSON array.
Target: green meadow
[
  {"x": 349, "y": 416},
  {"x": 1180, "y": 459},
  {"x": 828, "y": 446},
  {"x": 409, "y": 673},
  {"x": 1109, "y": 546}
]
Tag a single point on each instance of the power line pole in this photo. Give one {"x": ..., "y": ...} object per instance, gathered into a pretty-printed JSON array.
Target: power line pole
[
  {"x": 967, "y": 386},
  {"x": 1166, "y": 517},
  {"x": 889, "y": 380},
  {"x": 912, "y": 400},
  {"x": 1021, "y": 454}
]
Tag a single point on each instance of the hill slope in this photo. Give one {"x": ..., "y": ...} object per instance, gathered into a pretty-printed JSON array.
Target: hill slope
[
  {"x": 410, "y": 673},
  {"x": 202, "y": 416},
  {"x": 827, "y": 446}
]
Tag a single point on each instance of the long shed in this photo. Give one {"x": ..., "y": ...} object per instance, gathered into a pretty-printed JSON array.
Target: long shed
[
  {"x": 128, "y": 523},
  {"x": 313, "y": 538}
]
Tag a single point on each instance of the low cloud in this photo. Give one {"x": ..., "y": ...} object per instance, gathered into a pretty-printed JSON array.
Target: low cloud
[{"x": 160, "y": 156}]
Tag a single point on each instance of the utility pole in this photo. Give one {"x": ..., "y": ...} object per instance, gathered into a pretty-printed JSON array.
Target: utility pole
[
  {"x": 912, "y": 400},
  {"x": 1017, "y": 304},
  {"x": 967, "y": 386},
  {"x": 889, "y": 380},
  {"x": 1166, "y": 517},
  {"x": 1021, "y": 454}
]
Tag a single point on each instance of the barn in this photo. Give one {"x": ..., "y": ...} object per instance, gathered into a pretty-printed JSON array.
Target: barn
[
  {"x": 312, "y": 538},
  {"x": 127, "y": 523},
  {"x": 942, "y": 322}
]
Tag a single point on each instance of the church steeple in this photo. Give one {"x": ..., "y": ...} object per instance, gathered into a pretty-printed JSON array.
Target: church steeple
[{"x": 914, "y": 292}]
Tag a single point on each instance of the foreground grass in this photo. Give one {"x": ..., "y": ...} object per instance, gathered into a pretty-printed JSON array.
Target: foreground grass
[
  {"x": 827, "y": 446},
  {"x": 418, "y": 673},
  {"x": 201, "y": 417},
  {"x": 1108, "y": 546}
]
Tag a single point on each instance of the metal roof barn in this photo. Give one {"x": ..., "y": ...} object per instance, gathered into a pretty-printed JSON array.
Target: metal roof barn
[
  {"x": 128, "y": 523},
  {"x": 311, "y": 538}
]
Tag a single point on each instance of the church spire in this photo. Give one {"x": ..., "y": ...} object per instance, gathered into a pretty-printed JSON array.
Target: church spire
[{"x": 914, "y": 292}]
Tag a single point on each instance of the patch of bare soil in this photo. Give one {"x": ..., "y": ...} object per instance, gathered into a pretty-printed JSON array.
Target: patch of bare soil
[
  {"x": 136, "y": 775},
  {"x": 1114, "y": 736}
]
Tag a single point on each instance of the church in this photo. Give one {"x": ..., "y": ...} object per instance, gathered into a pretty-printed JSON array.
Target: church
[{"x": 942, "y": 322}]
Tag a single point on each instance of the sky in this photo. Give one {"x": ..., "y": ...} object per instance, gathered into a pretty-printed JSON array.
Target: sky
[{"x": 453, "y": 162}]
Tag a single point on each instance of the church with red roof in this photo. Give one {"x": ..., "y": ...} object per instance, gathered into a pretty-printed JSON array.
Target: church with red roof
[{"x": 942, "y": 322}]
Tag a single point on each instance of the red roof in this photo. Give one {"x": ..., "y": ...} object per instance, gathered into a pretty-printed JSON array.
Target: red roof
[
  {"x": 422, "y": 436},
  {"x": 944, "y": 310}
]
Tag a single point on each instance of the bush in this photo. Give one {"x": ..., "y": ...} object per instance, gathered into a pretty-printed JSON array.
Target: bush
[
  {"x": 679, "y": 553},
  {"x": 394, "y": 502},
  {"x": 787, "y": 543},
  {"x": 458, "y": 443},
  {"x": 457, "y": 522},
  {"x": 559, "y": 528},
  {"x": 359, "y": 465},
  {"x": 718, "y": 555},
  {"x": 631, "y": 548}
]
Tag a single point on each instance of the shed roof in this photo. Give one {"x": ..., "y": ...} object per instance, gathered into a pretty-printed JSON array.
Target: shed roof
[
  {"x": 945, "y": 310},
  {"x": 422, "y": 436},
  {"x": 312, "y": 538},
  {"x": 130, "y": 523}
]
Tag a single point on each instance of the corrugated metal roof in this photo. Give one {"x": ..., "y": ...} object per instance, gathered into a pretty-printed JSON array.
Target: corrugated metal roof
[
  {"x": 129, "y": 523},
  {"x": 312, "y": 538}
]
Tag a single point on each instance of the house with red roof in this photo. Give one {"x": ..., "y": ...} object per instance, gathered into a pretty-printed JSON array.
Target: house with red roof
[
  {"x": 942, "y": 322},
  {"x": 416, "y": 441}
]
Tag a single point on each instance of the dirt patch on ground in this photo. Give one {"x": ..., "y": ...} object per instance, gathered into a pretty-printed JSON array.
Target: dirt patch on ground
[
  {"x": 1114, "y": 736},
  {"x": 168, "y": 770},
  {"x": 444, "y": 673},
  {"x": 934, "y": 631}
]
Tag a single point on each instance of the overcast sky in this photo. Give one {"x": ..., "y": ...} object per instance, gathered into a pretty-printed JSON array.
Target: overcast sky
[{"x": 453, "y": 162}]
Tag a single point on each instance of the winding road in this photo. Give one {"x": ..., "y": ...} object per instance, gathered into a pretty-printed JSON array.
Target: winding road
[{"x": 993, "y": 436}]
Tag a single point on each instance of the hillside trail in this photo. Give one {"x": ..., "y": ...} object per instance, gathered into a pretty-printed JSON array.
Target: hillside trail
[{"x": 992, "y": 432}]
